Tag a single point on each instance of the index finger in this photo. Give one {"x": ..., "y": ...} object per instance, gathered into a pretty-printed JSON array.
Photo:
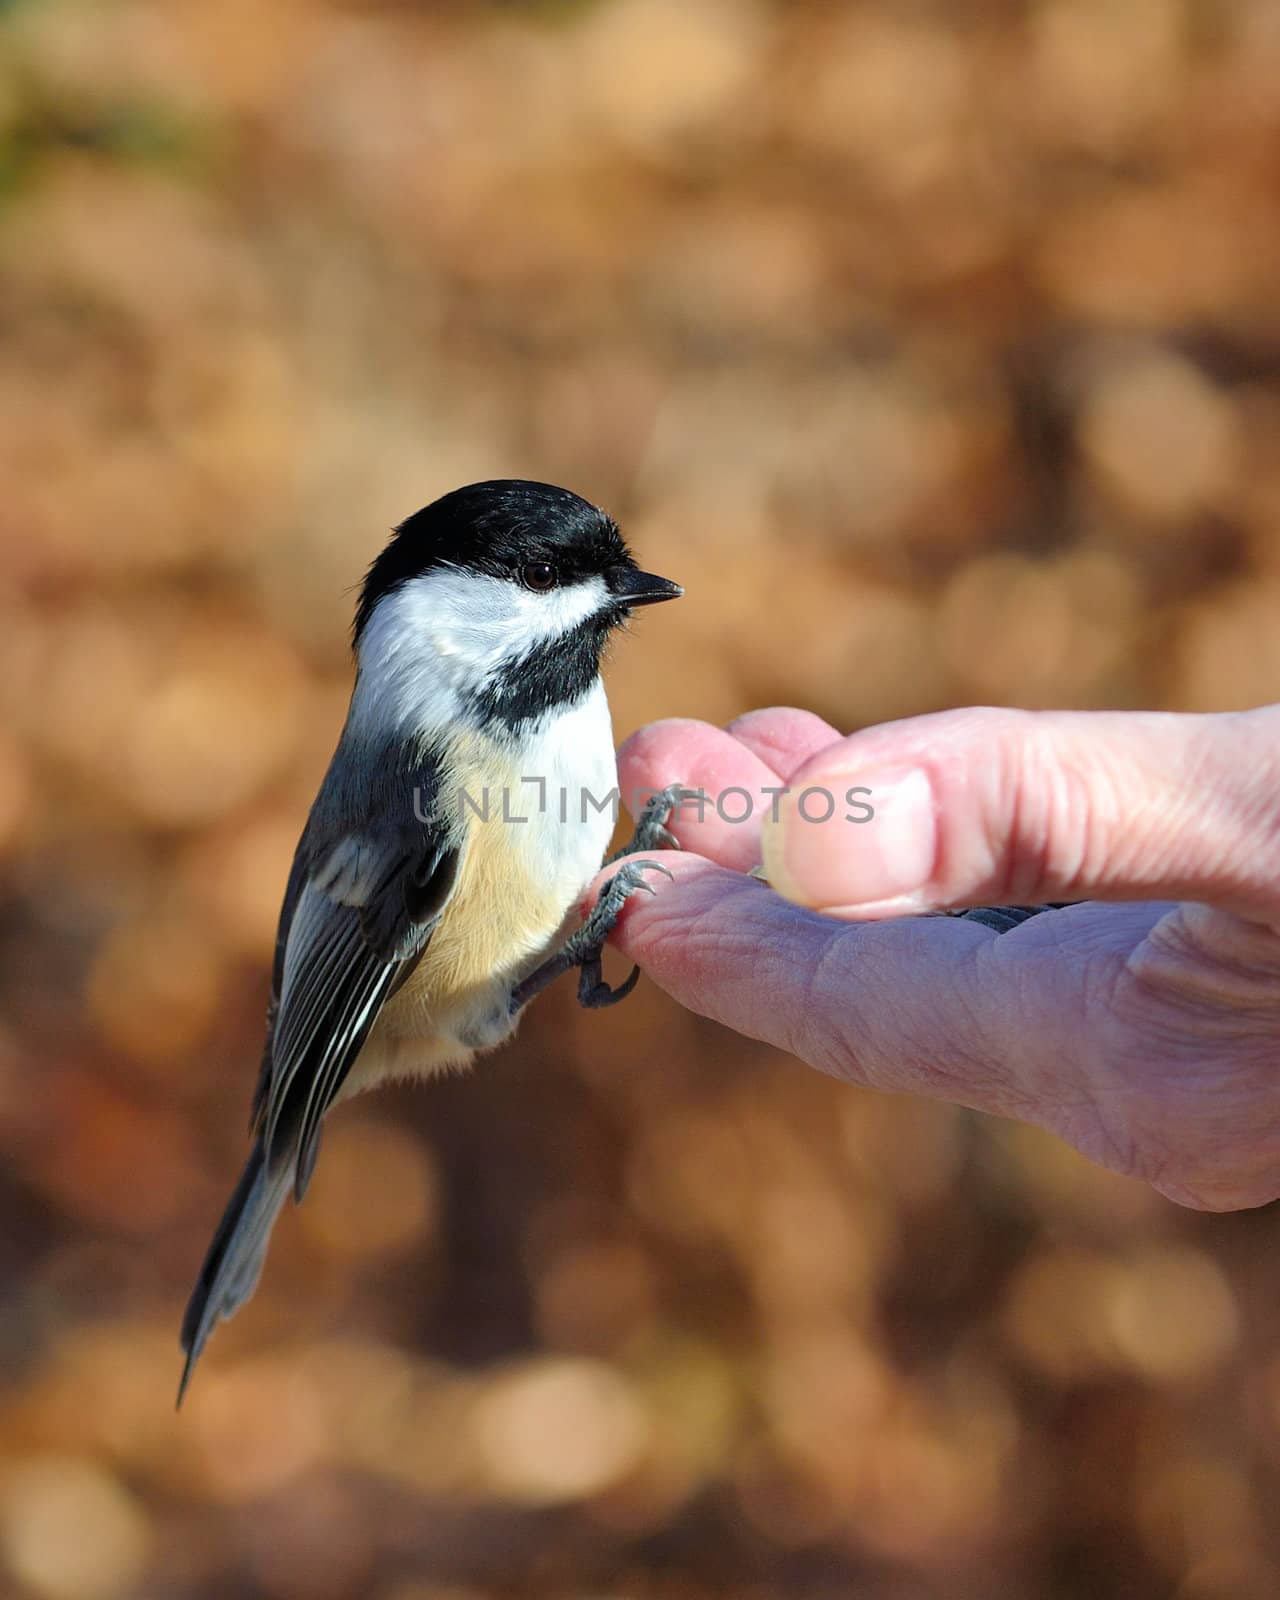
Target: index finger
[{"x": 735, "y": 789}]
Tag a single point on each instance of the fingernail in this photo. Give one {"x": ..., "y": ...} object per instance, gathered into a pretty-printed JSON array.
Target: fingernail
[{"x": 824, "y": 850}]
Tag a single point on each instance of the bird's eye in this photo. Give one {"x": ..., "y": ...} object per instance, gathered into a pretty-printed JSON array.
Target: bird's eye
[{"x": 538, "y": 575}]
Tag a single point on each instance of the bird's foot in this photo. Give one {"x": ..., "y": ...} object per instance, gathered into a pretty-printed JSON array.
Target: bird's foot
[
  {"x": 585, "y": 948},
  {"x": 587, "y": 945},
  {"x": 652, "y": 830}
]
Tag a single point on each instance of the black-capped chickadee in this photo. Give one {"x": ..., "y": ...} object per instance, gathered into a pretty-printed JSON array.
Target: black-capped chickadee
[{"x": 420, "y": 916}]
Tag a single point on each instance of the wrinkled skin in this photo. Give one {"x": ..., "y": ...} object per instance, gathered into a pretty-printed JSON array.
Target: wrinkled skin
[{"x": 1142, "y": 1026}]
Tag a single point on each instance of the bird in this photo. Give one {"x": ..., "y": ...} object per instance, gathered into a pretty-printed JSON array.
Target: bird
[{"x": 433, "y": 889}]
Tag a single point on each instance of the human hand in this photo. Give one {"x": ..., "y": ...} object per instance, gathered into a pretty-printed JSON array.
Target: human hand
[{"x": 1144, "y": 1031}]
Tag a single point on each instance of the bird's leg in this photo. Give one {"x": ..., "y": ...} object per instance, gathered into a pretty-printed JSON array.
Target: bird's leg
[{"x": 584, "y": 948}]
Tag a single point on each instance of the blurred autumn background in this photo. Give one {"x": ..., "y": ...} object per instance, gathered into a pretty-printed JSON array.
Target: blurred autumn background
[{"x": 936, "y": 348}]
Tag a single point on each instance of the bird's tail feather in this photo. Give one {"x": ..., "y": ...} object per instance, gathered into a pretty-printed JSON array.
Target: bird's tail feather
[{"x": 234, "y": 1260}]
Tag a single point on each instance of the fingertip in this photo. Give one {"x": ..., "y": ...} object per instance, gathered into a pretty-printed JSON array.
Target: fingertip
[
  {"x": 728, "y": 787},
  {"x": 652, "y": 755},
  {"x": 824, "y": 858},
  {"x": 773, "y": 858},
  {"x": 783, "y": 736},
  {"x": 666, "y": 730}
]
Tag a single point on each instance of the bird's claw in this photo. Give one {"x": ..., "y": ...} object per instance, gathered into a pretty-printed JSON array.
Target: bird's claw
[
  {"x": 652, "y": 830},
  {"x": 593, "y": 991},
  {"x": 586, "y": 947}
]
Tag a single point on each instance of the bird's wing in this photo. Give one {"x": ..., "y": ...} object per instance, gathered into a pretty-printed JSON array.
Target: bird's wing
[{"x": 358, "y": 915}]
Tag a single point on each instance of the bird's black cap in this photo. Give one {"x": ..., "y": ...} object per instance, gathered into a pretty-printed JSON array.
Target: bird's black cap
[{"x": 497, "y": 527}]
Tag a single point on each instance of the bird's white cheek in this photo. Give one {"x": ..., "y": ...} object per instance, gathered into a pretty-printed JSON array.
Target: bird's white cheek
[{"x": 443, "y": 637}]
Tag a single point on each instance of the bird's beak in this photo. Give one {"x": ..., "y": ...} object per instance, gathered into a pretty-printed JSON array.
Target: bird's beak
[{"x": 642, "y": 588}]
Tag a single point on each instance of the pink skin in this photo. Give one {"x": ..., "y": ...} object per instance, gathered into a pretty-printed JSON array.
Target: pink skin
[{"x": 1144, "y": 1031}]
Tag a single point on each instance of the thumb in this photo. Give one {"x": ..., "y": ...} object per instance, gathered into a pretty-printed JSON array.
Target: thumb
[{"x": 988, "y": 806}]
